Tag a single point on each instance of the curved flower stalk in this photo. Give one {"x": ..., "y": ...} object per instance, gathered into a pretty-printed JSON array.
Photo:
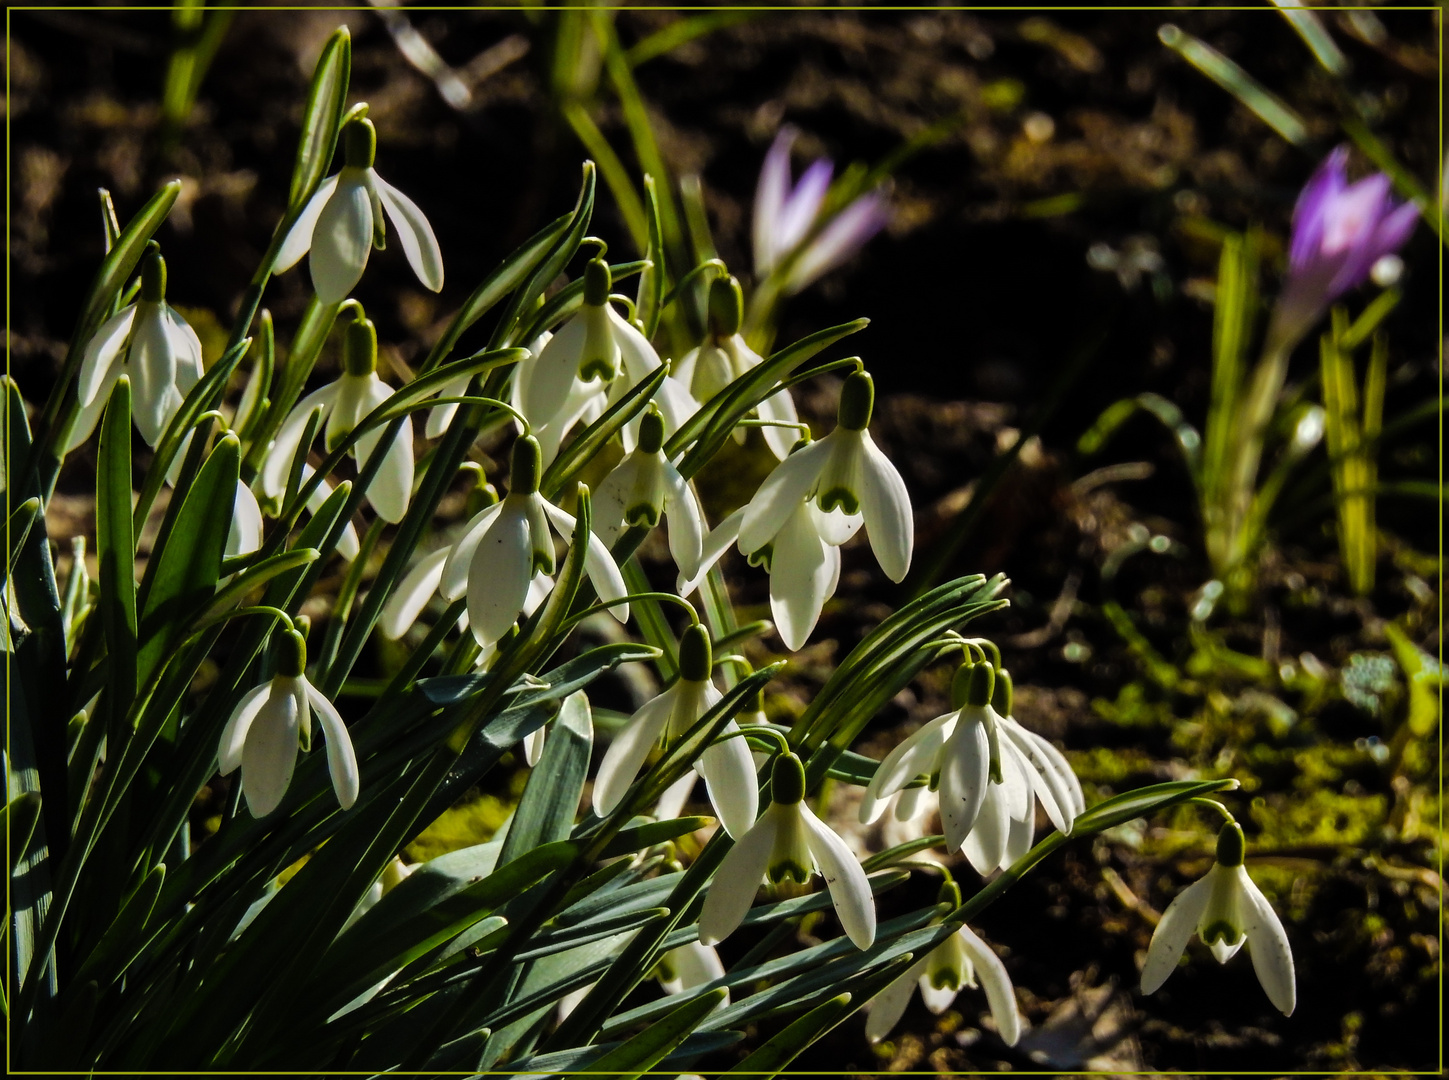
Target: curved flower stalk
[
  {"x": 942, "y": 973},
  {"x": 344, "y": 221},
  {"x": 787, "y": 844},
  {"x": 785, "y": 214},
  {"x": 596, "y": 345},
  {"x": 728, "y": 769},
  {"x": 845, "y": 471},
  {"x": 505, "y": 545},
  {"x": 688, "y": 966},
  {"x": 1226, "y": 910},
  {"x": 1340, "y": 230},
  {"x": 264, "y": 732},
  {"x": 646, "y": 486},
  {"x": 723, "y": 357},
  {"x": 152, "y": 344},
  {"x": 344, "y": 403}
]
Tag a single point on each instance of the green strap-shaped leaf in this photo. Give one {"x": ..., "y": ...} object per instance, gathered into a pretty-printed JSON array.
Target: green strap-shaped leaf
[
  {"x": 128, "y": 934},
  {"x": 20, "y": 817},
  {"x": 655, "y": 832},
  {"x": 326, "y": 102},
  {"x": 551, "y": 798},
  {"x": 115, "y": 549},
  {"x": 188, "y": 566},
  {"x": 637, "y": 1055},
  {"x": 650, "y": 298},
  {"x": 779, "y": 1051}
]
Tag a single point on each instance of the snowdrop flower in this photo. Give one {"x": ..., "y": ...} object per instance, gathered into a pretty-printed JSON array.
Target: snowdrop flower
[
  {"x": 728, "y": 769},
  {"x": 344, "y": 403},
  {"x": 270, "y": 722},
  {"x": 688, "y": 966},
  {"x": 845, "y": 471},
  {"x": 1226, "y": 910},
  {"x": 245, "y": 534},
  {"x": 787, "y": 844},
  {"x": 942, "y": 974},
  {"x": 152, "y": 344},
  {"x": 505, "y": 545},
  {"x": 645, "y": 486},
  {"x": 784, "y": 216},
  {"x": 1340, "y": 230},
  {"x": 723, "y": 357},
  {"x": 343, "y": 222},
  {"x": 595, "y": 345}
]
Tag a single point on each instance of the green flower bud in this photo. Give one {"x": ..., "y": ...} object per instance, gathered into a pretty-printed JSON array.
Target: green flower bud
[
  {"x": 1231, "y": 844},
  {"x": 857, "y": 402},
  {"x": 359, "y": 347},
  {"x": 482, "y": 496},
  {"x": 291, "y": 654},
  {"x": 726, "y": 307},
  {"x": 359, "y": 144},
  {"x": 651, "y": 432},
  {"x": 153, "y": 278},
  {"x": 695, "y": 659},
  {"x": 527, "y": 466},
  {"x": 597, "y": 283},
  {"x": 973, "y": 685},
  {"x": 787, "y": 780},
  {"x": 1001, "y": 696}
]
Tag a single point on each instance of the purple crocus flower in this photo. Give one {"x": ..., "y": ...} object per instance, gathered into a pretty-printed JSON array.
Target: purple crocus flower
[
  {"x": 1339, "y": 231},
  {"x": 784, "y": 216}
]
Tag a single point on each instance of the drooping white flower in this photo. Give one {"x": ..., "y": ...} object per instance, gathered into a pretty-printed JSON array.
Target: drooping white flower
[
  {"x": 941, "y": 974},
  {"x": 505, "y": 545},
  {"x": 788, "y": 843},
  {"x": 723, "y": 357},
  {"x": 1226, "y": 910},
  {"x": 152, "y": 344},
  {"x": 844, "y": 470},
  {"x": 268, "y": 725},
  {"x": 645, "y": 486},
  {"x": 344, "y": 221},
  {"x": 728, "y": 769},
  {"x": 344, "y": 403},
  {"x": 688, "y": 966}
]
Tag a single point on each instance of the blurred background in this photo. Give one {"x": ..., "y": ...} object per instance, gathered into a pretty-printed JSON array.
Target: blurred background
[{"x": 1060, "y": 188}]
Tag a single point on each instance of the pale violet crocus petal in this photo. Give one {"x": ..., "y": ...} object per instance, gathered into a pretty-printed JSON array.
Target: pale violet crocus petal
[
  {"x": 152, "y": 366},
  {"x": 843, "y": 237},
  {"x": 234, "y": 735},
  {"x": 245, "y": 534},
  {"x": 964, "y": 768},
  {"x": 802, "y": 206},
  {"x": 686, "y": 522},
  {"x": 1178, "y": 924},
  {"x": 1000, "y": 995},
  {"x": 269, "y": 754},
  {"x": 1267, "y": 946},
  {"x": 729, "y": 897},
  {"x": 849, "y": 888},
  {"x": 455, "y": 571},
  {"x": 341, "y": 758},
  {"x": 631, "y": 746},
  {"x": 770, "y": 195},
  {"x": 801, "y": 573},
  {"x": 729, "y": 775},
  {"x": 278, "y": 464},
  {"x": 887, "y": 509},
  {"x": 887, "y": 1008},
  {"x": 414, "y": 233},
  {"x": 103, "y": 354},
  {"x": 342, "y": 239},
  {"x": 412, "y": 594},
  {"x": 781, "y": 493},
  {"x": 299, "y": 238},
  {"x": 715, "y": 544},
  {"x": 498, "y": 574},
  {"x": 603, "y": 571}
]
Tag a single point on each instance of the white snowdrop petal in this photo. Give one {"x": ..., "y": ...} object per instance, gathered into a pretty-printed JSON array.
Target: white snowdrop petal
[
  {"x": 714, "y": 545},
  {"x": 887, "y": 508},
  {"x": 603, "y": 571},
  {"x": 283, "y": 451},
  {"x": 342, "y": 240},
  {"x": 696, "y": 965},
  {"x": 269, "y": 754},
  {"x": 90, "y": 415},
  {"x": 626, "y": 754},
  {"x": 671, "y": 803},
  {"x": 800, "y": 579},
  {"x": 412, "y": 594},
  {"x": 740, "y": 873},
  {"x": 636, "y": 355},
  {"x": 911, "y": 803},
  {"x": 779, "y": 407},
  {"x": 1046, "y": 783},
  {"x": 533, "y": 745},
  {"x": 392, "y": 488},
  {"x": 245, "y": 534},
  {"x": 1268, "y": 946},
  {"x": 936, "y": 998},
  {"x": 234, "y": 735},
  {"x": 554, "y": 373},
  {"x": 1019, "y": 834},
  {"x": 102, "y": 356},
  {"x": 299, "y": 238},
  {"x": 414, "y": 233},
  {"x": 782, "y": 491},
  {"x": 965, "y": 759},
  {"x": 849, "y": 888},
  {"x": 440, "y": 416},
  {"x": 341, "y": 758},
  {"x": 1000, "y": 995},
  {"x": 686, "y": 522},
  {"x": 498, "y": 575},
  {"x": 609, "y": 498},
  {"x": 1178, "y": 924},
  {"x": 187, "y": 348},
  {"x": 985, "y": 845},
  {"x": 729, "y": 775},
  {"x": 887, "y": 1008},
  {"x": 152, "y": 366},
  {"x": 347, "y": 544},
  {"x": 455, "y": 571}
]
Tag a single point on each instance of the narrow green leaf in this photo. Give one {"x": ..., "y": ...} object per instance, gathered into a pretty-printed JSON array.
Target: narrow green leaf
[
  {"x": 127, "y": 935},
  {"x": 783, "y": 1048},
  {"x": 116, "y": 550},
  {"x": 326, "y": 101},
  {"x": 1251, "y": 94},
  {"x": 649, "y": 301},
  {"x": 645, "y": 1050},
  {"x": 20, "y": 817},
  {"x": 640, "y": 837},
  {"x": 550, "y": 799},
  {"x": 580, "y": 451}
]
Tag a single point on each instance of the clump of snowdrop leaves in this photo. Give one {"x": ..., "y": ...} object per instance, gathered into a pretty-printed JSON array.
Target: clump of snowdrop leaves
[
  {"x": 344, "y": 221},
  {"x": 152, "y": 344},
  {"x": 343, "y": 404},
  {"x": 269, "y": 724},
  {"x": 1226, "y": 910},
  {"x": 787, "y": 845}
]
